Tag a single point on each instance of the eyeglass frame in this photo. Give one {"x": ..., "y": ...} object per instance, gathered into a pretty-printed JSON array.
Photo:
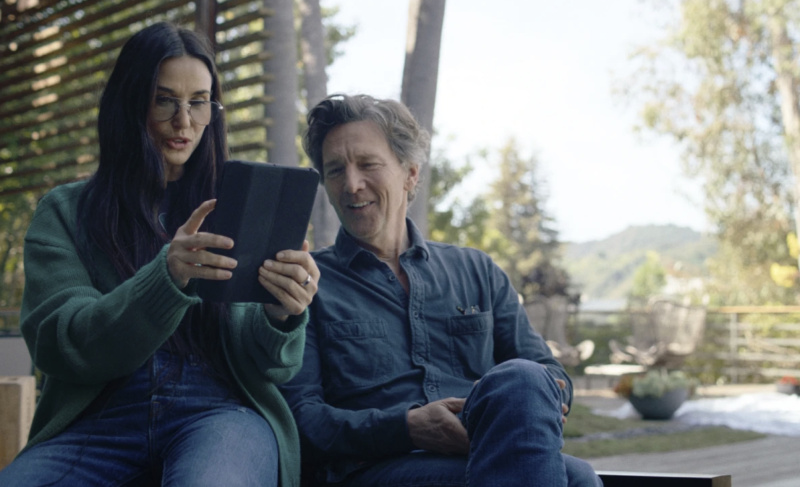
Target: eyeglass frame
[{"x": 178, "y": 104}]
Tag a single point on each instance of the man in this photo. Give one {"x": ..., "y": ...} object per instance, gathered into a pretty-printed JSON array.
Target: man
[{"x": 420, "y": 366}]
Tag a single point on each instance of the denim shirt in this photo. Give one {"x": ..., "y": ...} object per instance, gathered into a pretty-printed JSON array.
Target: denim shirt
[{"x": 373, "y": 352}]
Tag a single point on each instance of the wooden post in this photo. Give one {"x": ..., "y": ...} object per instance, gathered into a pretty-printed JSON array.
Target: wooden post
[
  {"x": 17, "y": 403},
  {"x": 205, "y": 19},
  {"x": 733, "y": 346}
]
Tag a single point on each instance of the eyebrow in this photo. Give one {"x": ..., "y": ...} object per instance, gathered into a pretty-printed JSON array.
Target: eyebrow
[{"x": 199, "y": 92}]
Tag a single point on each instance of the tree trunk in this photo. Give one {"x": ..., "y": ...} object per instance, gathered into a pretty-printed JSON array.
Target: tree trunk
[
  {"x": 282, "y": 111},
  {"x": 312, "y": 45},
  {"x": 786, "y": 69},
  {"x": 205, "y": 19},
  {"x": 420, "y": 74}
]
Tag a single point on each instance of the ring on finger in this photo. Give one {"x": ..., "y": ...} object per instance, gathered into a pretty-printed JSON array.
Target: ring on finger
[{"x": 307, "y": 281}]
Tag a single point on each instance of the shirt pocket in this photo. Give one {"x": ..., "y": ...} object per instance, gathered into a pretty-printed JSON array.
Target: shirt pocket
[
  {"x": 356, "y": 354},
  {"x": 471, "y": 344}
]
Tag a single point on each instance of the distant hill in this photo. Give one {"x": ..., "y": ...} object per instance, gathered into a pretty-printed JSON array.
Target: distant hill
[{"x": 603, "y": 269}]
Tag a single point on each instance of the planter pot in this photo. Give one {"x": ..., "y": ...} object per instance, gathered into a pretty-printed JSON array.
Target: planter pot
[
  {"x": 787, "y": 388},
  {"x": 659, "y": 407}
]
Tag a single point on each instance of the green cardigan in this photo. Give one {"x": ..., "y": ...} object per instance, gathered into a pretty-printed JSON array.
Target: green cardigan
[{"x": 82, "y": 337}]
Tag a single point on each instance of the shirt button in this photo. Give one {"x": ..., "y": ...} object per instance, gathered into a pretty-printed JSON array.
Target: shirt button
[
  {"x": 416, "y": 315},
  {"x": 432, "y": 388},
  {"x": 392, "y": 278},
  {"x": 420, "y": 358}
]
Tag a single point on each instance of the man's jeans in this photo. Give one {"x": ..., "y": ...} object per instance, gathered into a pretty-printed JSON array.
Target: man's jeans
[
  {"x": 513, "y": 418},
  {"x": 169, "y": 424}
]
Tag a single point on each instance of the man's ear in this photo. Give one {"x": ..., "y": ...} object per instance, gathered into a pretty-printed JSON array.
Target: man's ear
[{"x": 412, "y": 177}]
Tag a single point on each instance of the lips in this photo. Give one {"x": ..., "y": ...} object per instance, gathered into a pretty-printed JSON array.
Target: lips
[
  {"x": 178, "y": 143},
  {"x": 360, "y": 205}
]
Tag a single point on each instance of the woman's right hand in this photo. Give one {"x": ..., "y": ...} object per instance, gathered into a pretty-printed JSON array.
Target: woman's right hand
[{"x": 187, "y": 257}]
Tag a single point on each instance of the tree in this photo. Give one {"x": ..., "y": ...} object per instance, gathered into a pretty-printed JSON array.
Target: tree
[
  {"x": 282, "y": 64},
  {"x": 420, "y": 75},
  {"x": 509, "y": 222},
  {"x": 649, "y": 278},
  {"x": 324, "y": 221},
  {"x": 713, "y": 84}
]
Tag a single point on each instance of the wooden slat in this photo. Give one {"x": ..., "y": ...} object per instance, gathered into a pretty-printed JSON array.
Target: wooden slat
[
  {"x": 250, "y": 124},
  {"x": 253, "y": 59},
  {"x": 59, "y": 100},
  {"x": 31, "y": 25},
  {"x": 66, "y": 128},
  {"x": 253, "y": 80},
  {"x": 253, "y": 146},
  {"x": 78, "y": 74},
  {"x": 259, "y": 13},
  {"x": 50, "y": 167},
  {"x": 256, "y": 100},
  {"x": 258, "y": 36},
  {"x": 70, "y": 145},
  {"x": 47, "y": 117},
  {"x": 230, "y": 4},
  {"x": 102, "y": 14}
]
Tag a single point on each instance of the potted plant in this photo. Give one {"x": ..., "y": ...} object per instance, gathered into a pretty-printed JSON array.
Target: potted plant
[
  {"x": 657, "y": 394},
  {"x": 789, "y": 385}
]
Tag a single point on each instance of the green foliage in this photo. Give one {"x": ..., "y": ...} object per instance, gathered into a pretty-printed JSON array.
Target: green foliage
[
  {"x": 649, "y": 278},
  {"x": 709, "y": 84},
  {"x": 509, "y": 222},
  {"x": 658, "y": 382}
]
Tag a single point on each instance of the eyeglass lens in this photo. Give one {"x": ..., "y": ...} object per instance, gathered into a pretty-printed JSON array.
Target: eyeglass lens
[{"x": 201, "y": 112}]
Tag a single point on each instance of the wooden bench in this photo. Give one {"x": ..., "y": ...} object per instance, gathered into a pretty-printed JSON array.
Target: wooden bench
[{"x": 634, "y": 479}]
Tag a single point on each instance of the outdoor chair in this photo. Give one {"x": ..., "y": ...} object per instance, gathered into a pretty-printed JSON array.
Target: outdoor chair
[
  {"x": 662, "y": 336},
  {"x": 548, "y": 316}
]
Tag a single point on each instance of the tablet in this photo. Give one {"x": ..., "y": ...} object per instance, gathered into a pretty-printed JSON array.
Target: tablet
[{"x": 264, "y": 208}]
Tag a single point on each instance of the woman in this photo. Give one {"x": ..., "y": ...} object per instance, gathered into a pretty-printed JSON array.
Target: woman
[{"x": 146, "y": 384}]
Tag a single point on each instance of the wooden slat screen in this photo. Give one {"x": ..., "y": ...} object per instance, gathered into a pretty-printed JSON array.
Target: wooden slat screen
[{"x": 56, "y": 55}]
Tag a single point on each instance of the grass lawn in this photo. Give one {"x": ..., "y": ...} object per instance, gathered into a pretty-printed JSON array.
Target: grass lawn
[{"x": 582, "y": 422}]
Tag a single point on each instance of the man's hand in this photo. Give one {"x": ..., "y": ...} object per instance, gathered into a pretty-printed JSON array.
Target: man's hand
[
  {"x": 564, "y": 408},
  {"x": 435, "y": 427}
]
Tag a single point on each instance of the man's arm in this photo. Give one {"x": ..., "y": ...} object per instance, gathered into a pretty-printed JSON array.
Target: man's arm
[
  {"x": 514, "y": 337},
  {"x": 330, "y": 433}
]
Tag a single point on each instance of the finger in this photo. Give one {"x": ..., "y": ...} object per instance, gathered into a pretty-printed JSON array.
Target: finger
[
  {"x": 204, "y": 240},
  {"x": 564, "y": 409},
  {"x": 294, "y": 272},
  {"x": 288, "y": 300},
  {"x": 301, "y": 258},
  {"x": 194, "y": 271},
  {"x": 453, "y": 404},
  {"x": 198, "y": 216},
  {"x": 562, "y": 384},
  {"x": 209, "y": 259},
  {"x": 305, "y": 246}
]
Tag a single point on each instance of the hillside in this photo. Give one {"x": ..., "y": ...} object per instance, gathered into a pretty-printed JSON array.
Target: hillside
[{"x": 604, "y": 269}]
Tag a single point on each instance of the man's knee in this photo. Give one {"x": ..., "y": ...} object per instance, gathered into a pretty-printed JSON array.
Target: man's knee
[{"x": 520, "y": 374}]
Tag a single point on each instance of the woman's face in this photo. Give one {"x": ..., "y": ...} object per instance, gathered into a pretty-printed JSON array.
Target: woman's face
[{"x": 185, "y": 79}]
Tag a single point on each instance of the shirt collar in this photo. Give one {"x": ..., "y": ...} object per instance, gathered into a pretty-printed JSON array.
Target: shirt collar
[{"x": 347, "y": 248}]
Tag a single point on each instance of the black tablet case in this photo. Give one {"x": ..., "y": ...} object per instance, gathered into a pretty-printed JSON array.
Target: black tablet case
[{"x": 264, "y": 208}]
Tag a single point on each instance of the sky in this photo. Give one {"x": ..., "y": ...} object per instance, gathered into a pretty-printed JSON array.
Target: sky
[{"x": 541, "y": 73}]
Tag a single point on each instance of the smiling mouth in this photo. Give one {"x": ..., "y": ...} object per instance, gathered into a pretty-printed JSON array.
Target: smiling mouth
[{"x": 358, "y": 206}]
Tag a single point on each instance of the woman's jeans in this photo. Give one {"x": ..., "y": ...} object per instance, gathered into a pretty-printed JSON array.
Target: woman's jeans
[
  {"x": 170, "y": 424},
  {"x": 513, "y": 419}
]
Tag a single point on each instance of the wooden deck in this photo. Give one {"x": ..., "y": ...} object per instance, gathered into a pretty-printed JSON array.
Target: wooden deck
[{"x": 768, "y": 462}]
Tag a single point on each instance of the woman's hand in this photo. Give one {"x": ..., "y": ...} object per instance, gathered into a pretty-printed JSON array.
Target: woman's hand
[
  {"x": 187, "y": 257},
  {"x": 292, "y": 279}
]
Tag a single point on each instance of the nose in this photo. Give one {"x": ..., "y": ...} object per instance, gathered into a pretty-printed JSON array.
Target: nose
[
  {"x": 353, "y": 181},
  {"x": 182, "y": 118}
]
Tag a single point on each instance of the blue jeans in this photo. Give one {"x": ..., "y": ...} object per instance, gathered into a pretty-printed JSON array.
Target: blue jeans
[
  {"x": 170, "y": 424},
  {"x": 513, "y": 418}
]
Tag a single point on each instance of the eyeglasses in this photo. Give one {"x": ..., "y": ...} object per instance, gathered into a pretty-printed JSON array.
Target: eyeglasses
[{"x": 202, "y": 112}]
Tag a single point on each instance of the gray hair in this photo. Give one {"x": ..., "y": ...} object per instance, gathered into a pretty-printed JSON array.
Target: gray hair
[{"x": 407, "y": 139}]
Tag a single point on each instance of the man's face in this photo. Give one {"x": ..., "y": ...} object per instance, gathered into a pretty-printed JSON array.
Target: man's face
[{"x": 366, "y": 184}]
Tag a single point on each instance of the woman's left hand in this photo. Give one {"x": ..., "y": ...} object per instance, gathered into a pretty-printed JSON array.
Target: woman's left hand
[{"x": 292, "y": 279}]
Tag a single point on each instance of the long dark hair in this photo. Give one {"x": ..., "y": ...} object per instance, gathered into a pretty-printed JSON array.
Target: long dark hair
[{"x": 119, "y": 204}]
